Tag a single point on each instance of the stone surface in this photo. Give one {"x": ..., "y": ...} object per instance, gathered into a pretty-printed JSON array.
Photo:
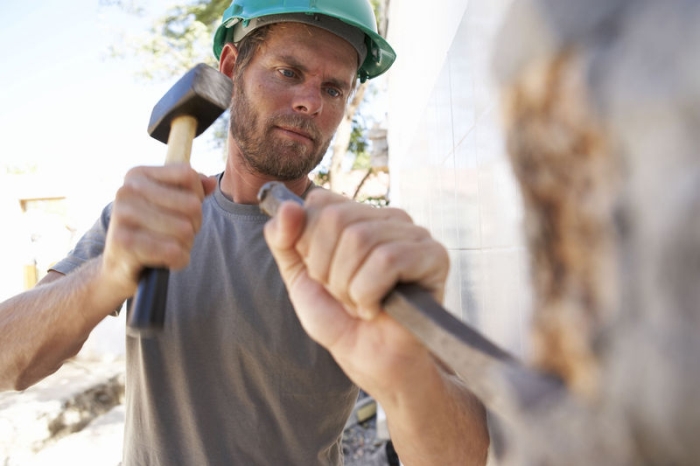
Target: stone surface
[
  {"x": 98, "y": 444},
  {"x": 59, "y": 405},
  {"x": 76, "y": 416},
  {"x": 602, "y": 109}
]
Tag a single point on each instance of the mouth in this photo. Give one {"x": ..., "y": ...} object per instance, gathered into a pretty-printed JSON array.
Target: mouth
[{"x": 296, "y": 133}]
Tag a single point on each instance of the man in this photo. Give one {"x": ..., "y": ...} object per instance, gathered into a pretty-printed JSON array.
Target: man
[{"x": 234, "y": 377}]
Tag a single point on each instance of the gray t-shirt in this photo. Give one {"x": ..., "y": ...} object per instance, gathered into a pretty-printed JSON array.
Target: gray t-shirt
[{"x": 233, "y": 379}]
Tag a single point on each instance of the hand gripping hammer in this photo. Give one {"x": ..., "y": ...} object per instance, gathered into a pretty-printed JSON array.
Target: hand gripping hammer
[{"x": 183, "y": 113}]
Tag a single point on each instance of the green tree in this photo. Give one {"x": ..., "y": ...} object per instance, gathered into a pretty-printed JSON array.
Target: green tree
[
  {"x": 177, "y": 40},
  {"x": 181, "y": 37}
]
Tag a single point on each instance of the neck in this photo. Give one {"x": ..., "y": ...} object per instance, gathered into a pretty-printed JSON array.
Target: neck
[{"x": 242, "y": 186}]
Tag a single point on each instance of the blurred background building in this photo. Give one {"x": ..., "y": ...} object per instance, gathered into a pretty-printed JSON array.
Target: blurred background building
[{"x": 447, "y": 159}]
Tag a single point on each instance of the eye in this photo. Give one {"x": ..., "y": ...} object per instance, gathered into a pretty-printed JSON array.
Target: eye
[
  {"x": 287, "y": 73},
  {"x": 333, "y": 92}
]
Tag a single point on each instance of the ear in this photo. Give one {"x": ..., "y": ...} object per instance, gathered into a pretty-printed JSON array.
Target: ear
[{"x": 227, "y": 60}]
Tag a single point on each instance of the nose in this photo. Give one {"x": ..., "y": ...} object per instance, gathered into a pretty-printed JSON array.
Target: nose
[{"x": 308, "y": 99}]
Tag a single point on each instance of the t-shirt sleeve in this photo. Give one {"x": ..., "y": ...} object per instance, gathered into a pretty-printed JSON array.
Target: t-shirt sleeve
[{"x": 91, "y": 245}]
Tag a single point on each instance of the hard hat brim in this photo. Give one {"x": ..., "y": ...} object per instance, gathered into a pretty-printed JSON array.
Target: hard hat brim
[{"x": 379, "y": 54}]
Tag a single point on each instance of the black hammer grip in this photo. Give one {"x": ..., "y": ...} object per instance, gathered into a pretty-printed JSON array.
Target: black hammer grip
[{"x": 147, "y": 311}]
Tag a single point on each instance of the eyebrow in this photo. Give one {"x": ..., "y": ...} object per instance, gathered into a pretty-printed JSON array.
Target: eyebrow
[{"x": 293, "y": 62}]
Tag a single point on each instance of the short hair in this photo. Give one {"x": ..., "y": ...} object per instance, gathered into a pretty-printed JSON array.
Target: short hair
[{"x": 247, "y": 47}]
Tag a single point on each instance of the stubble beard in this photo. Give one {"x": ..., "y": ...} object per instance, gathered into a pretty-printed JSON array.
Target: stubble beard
[{"x": 266, "y": 154}]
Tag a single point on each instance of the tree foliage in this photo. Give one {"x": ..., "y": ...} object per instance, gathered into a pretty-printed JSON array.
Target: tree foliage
[{"x": 177, "y": 40}]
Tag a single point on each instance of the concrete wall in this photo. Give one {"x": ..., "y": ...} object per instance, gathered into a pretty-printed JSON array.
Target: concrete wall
[{"x": 447, "y": 159}]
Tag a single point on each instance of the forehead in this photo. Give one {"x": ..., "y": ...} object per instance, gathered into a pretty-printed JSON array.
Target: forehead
[{"x": 312, "y": 42}]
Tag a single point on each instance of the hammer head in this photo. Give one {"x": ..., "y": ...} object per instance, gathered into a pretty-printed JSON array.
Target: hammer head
[{"x": 203, "y": 93}]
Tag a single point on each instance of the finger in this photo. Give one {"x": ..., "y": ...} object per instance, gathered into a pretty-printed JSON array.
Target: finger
[
  {"x": 281, "y": 234},
  {"x": 356, "y": 244},
  {"x": 135, "y": 249},
  {"x": 326, "y": 226},
  {"x": 320, "y": 314},
  {"x": 139, "y": 215},
  {"x": 425, "y": 263},
  {"x": 163, "y": 198},
  {"x": 172, "y": 187},
  {"x": 180, "y": 175}
]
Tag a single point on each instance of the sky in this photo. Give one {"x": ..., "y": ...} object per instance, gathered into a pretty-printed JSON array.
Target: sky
[{"x": 65, "y": 105}]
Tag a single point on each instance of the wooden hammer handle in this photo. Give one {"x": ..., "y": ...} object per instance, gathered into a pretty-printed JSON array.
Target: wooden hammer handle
[
  {"x": 182, "y": 132},
  {"x": 147, "y": 313}
]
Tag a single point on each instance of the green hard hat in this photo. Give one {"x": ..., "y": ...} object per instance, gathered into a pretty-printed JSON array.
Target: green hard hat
[{"x": 353, "y": 20}]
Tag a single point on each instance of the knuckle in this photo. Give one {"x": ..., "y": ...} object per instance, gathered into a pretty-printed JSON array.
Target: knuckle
[
  {"x": 125, "y": 214},
  {"x": 422, "y": 232},
  {"x": 186, "y": 175},
  {"x": 332, "y": 218},
  {"x": 173, "y": 254},
  {"x": 192, "y": 207},
  {"x": 132, "y": 187},
  {"x": 325, "y": 198},
  {"x": 123, "y": 239},
  {"x": 399, "y": 214},
  {"x": 133, "y": 172},
  {"x": 124, "y": 192},
  {"x": 181, "y": 261},
  {"x": 357, "y": 235},
  {"x": 386, "y": 257},
  {"x": 440, "y": 252},
  {"x": 184, "y": 231},
  {"x": 315, "y": 196}
]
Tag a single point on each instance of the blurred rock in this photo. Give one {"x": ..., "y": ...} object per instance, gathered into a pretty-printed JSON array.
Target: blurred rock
[
  {"x": 59, "y": 405},
  {"x": 602, "y": 105}
]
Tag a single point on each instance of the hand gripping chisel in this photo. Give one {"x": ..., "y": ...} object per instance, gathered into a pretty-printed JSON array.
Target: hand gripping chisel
[{"x": 502, "y": 383}]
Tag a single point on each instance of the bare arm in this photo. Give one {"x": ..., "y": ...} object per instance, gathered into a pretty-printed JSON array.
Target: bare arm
[
  {"x": 155, "y": 217},
  {"x": 435, "y": 419},
  {"x": 339, "y": 259},
  {"x": 41, "y": 328}
]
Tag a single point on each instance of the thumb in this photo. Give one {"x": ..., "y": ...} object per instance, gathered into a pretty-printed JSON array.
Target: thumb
[
  {"x": 282, "y": 233},
  {"x": 319, "y": 313}
]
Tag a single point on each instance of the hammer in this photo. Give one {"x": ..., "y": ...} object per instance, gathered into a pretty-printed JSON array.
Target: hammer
[{"x": 183, "y": 113}]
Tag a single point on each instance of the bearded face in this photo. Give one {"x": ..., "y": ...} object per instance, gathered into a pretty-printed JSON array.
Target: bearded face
[{"x": 264, "y": 150}]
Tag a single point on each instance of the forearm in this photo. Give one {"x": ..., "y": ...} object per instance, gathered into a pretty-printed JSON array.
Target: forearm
[
  {"x": 41, "y": 328},
  {"x": 434, "y": 419}
]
